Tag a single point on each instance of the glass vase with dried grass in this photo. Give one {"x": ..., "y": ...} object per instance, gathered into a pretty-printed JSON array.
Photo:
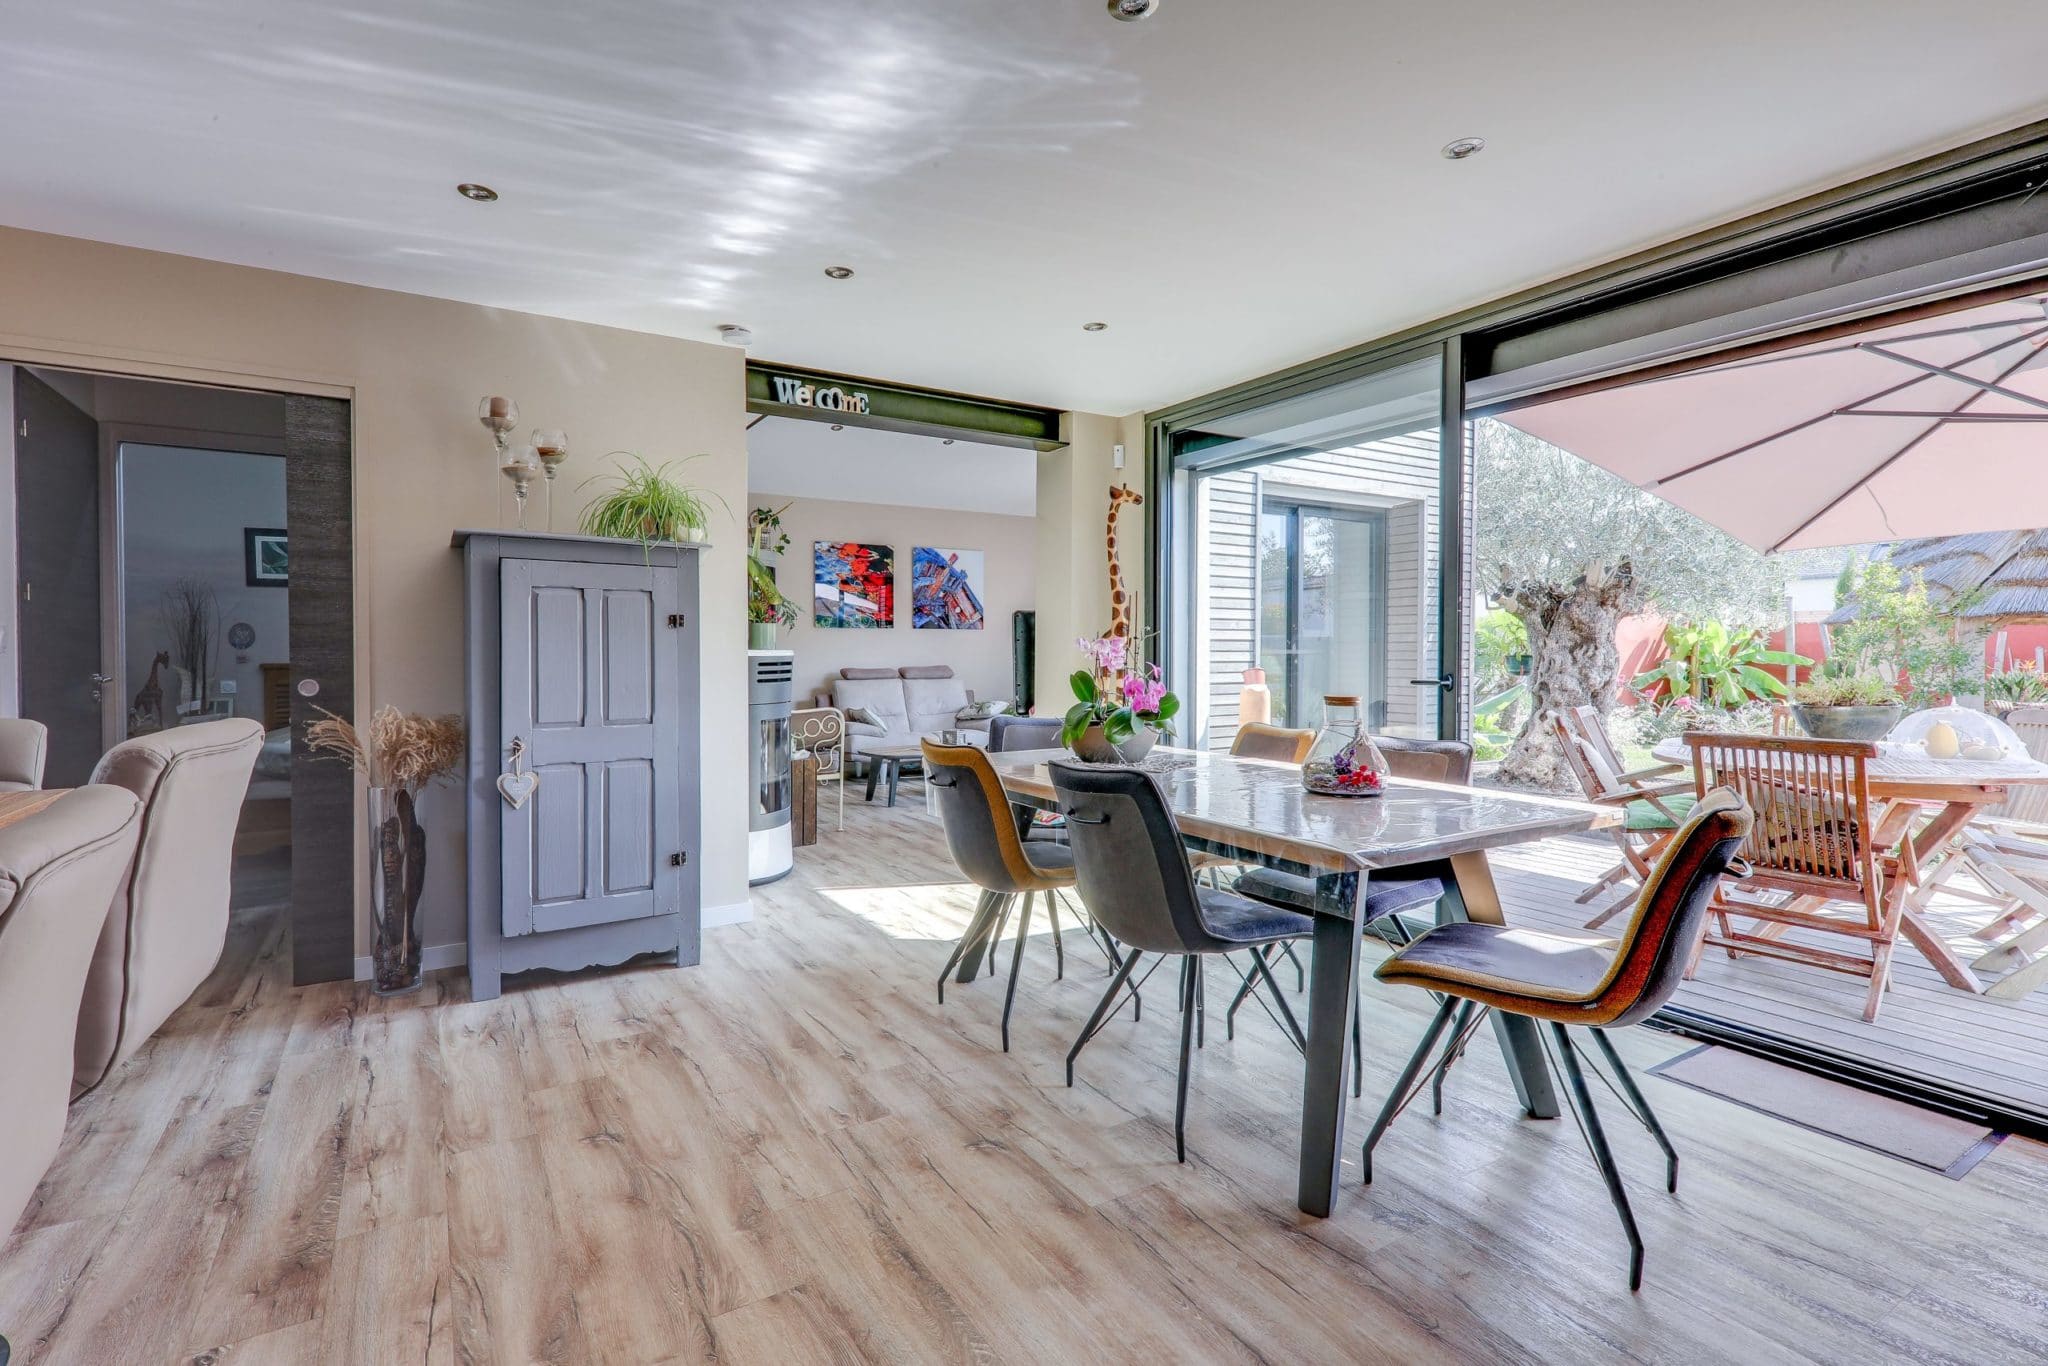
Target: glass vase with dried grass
[{"x": 399, "y": 754}]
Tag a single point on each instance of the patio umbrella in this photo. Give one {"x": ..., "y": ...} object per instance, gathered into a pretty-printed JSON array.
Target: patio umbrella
[{"x": 1925, "y": 427}]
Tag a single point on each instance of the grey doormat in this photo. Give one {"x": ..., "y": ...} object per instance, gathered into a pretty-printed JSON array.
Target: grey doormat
[{"x": 1925, "y": 1138}]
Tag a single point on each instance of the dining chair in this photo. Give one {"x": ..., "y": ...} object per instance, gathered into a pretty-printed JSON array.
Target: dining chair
[
  {"x": 2005, "y": 852},
  {"x": 1817, "y": 845},
  {"x": 822, "y": 731},
  {"x": 1652, "y": 801},
  {"x": 1007, "y": 734},
  {"x": 981, "y": 832},
  {"x": 1134, "y": 876},
  {"x": 1573, "y": 980}
]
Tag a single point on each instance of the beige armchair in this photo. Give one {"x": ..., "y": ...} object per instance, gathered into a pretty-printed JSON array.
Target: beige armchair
[
  {"x": 24, "y": 745},
  {"x": 169, "y": 921},
  {"x": 68, "y": 855}
]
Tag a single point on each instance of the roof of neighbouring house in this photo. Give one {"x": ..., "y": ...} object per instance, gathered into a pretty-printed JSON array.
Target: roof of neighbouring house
[{"x": 2006, "y": 572}]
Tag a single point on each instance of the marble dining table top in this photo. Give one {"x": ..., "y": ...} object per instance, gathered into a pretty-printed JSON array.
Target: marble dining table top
[{"x": 1261, "y": 807}]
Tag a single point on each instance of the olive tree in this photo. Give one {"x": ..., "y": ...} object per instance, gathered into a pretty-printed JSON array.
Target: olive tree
[{"x": 1570, "y": 550}]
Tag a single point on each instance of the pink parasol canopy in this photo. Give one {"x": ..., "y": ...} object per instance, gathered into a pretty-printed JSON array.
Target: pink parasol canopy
[{"x": 1923, "y": 428}]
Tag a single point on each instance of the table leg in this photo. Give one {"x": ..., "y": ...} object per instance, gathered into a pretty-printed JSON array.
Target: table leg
[
  {"x": 1332, "y": 1000},
  {"x": 1469, "y": 894},
  {"x": 895, "y": 772},
  {"x": 1928, "y": 846},
  {"x": 874, "y": 772}
]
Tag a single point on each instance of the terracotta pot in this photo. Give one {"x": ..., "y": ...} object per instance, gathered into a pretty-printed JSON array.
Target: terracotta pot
[
  {"x": 1094, "y": 747},
  {"x": 1847, "y": 723}
]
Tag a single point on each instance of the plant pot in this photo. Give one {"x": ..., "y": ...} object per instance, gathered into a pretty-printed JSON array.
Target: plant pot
[
  {"x": 1520, "y": 666},
  {"x": 398, "y": 873},
  {"x": 1847, "y": 723},
  {"x": 760, "y": 635},
  {"x": 1094, "y": 747}
]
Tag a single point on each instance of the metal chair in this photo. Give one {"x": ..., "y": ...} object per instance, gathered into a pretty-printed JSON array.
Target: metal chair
[
  {"x": 822, "y": 731},
  {"x": 1133, "y": 874},
  {"x": 981, "y": 832},
  {"x": 1576, "y": 980}
]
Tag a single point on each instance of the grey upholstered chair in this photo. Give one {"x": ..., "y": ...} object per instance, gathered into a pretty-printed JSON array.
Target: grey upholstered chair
[
  {"x": 168, "y": 922},
  {"x": 24, "y": 746},
  {"x": 982, "y": 834},
  {"x": 58, "y": 866},
  {"x": 1576, "y": 980},
  {"x": 1133, "y": 875},
  {"x": 1007, "y": 733}
]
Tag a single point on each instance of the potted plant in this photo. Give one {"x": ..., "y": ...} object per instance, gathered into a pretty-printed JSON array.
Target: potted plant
[
  {"x": 399, "y": 754},
  {"x": 767, "y": 608},
  {"x": 1121, "y": 705},
  {"x": 646, "y": 505},
  {"x": 1847, "y": 707}
]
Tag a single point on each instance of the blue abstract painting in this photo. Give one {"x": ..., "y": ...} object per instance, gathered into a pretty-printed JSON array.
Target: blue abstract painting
[{"x": 945, "y": 589}]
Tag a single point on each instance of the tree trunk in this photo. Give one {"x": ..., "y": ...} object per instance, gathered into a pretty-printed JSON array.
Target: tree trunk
[{"x": 1574, "y": 663}]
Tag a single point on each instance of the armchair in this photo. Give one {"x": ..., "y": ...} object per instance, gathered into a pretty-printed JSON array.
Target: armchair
[{"x": 24, "y": 745}]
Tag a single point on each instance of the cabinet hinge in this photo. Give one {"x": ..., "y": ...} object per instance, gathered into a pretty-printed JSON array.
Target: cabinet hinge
[
  {"x": 678, "y": 860},
  {"x": 676, "y": 621}
]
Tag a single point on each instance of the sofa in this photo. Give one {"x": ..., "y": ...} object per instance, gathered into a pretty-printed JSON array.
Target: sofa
[
  {"x": 24, "y": 745},
  {"x": 907, "y": 703},
  {"x": 168, "y": 921},
  {"x": 57, "y": 866}
]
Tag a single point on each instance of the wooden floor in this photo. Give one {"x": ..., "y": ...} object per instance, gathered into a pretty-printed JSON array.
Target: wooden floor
[
  {"x": 793, "y": 1155},
  {"x": 1926, "y": 1026}
]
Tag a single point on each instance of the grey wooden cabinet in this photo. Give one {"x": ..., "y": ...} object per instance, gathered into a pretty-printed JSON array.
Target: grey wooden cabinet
[{"x": 582, "y": 652}]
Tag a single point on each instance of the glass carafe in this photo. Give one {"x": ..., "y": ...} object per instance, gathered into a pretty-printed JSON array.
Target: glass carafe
[{"x": 1344, "y": 762}]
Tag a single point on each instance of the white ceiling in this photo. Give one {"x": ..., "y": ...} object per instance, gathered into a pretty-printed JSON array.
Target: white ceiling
[
  {"x": 797, "y": 458},
  {"x": 1232, "y": 187}
]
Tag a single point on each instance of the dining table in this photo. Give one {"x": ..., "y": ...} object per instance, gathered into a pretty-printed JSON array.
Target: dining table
[
  {"x": 1251, "y": 811},
  {"x": 1906, "y": 781}
]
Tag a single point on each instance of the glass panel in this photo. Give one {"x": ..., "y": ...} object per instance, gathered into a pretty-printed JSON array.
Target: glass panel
[{"x": 1316, "y": 554}]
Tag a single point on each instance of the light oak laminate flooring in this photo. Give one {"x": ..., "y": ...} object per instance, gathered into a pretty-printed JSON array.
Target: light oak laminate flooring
[{"x": 793, "y": 1154}]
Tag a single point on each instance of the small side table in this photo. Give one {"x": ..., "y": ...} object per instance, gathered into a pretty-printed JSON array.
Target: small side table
[
  {"x": 888, "y": 764},
  {"x": 803, "y": 800}
]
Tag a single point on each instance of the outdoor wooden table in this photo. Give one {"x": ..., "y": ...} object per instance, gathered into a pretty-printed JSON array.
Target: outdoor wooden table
[
  {"x": 1256, "y": 812},
  {"x": 1906, "y": 780}
]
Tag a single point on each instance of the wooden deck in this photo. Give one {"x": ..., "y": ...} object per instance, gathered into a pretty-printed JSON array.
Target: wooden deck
[{"x": 1926, "y": 1026}]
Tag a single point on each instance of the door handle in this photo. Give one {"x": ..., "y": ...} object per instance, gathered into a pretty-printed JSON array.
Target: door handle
[
  {"x": 99, "y": 682},
  {"x": 1446, "y": 681}
]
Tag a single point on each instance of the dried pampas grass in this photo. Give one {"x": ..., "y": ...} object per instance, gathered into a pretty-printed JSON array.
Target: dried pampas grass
[{"x": 402, "y": 749}]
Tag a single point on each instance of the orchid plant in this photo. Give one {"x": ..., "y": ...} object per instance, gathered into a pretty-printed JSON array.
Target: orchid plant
[{"x": 1119, "y": 691}]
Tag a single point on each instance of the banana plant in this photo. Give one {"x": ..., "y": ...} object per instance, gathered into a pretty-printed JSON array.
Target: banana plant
[{"x": 1710, "y": 663}]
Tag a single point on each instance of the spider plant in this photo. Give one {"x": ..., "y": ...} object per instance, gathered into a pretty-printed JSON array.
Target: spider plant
[{"x": 645, "y": 504}]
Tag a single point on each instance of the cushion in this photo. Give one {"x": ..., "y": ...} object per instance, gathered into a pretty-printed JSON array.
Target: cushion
[
  {"x": 1241, "y": 920},
  {"x": 867, "y": 673},
  {"x": 1644, "y": 816},
  {"x": 1047, "y": 856},
  {"x": 862, "y": 716},
  {"x": 926, "y": 671},
  {"x": 858, "y": 727},
  {"x": 1544, "y": 964},
  {"x": 881, "y": 696},
  {"x": 1385, "y": 893}
]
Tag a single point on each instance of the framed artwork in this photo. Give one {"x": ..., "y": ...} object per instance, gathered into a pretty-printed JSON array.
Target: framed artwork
[
  {"x": 266, "y": 557},
  {"x": 945, "y": 589},
  {"x": 853, "y": 584}
]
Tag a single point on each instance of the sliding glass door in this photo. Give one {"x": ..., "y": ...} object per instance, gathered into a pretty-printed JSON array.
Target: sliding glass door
[{"x": 1308, "y": 538}]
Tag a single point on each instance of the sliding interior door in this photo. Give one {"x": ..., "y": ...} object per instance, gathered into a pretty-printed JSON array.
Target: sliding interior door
[{"x": 57, "y": 517}]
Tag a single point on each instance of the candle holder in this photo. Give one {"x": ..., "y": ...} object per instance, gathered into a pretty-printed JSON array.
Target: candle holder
[
  {"x": 522, "y": 467},
  {"x": 551, "y": 445},
  {"x": 499, "y": 415}
]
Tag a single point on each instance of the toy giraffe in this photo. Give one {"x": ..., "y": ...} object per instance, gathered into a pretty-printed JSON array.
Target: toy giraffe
[{"x": 1119, "y": 600}]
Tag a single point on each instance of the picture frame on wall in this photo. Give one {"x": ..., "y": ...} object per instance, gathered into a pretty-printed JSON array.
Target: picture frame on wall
[
  {"x": 266, "y": 557},
  {"x": 945, "y": 589}
]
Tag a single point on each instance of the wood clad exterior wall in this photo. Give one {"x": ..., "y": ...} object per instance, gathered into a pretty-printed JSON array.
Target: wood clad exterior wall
[{"x": 1398, "y": 475}]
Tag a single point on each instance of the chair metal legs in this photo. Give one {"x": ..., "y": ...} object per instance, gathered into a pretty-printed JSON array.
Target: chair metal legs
[
  {"x": 981, "y": 911},
  {"x": 1397, "y": 1099},
  {"x": 1102, "y": 1009},
  {"x": 1016, "y": 965},
  {"x": 1640, "y": 1104},
  {"x": 1596, "y": 1142},
  {"x": 1190, "y": 980}
]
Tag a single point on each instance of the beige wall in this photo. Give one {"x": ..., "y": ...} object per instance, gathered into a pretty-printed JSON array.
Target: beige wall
[
  {"x": 1073, "y": 559},
  {"x": 414, "y": 368},
  {"x": 981, "y": 659}
]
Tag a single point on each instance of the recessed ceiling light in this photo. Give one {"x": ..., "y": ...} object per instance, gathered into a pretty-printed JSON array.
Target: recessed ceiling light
[
  {"x": 735, "y": 335},
  {"x": 1130, "y": 11},
  {"x": 1460, "y": 148},
  {"x": 839, "y": 272},
  {"x": 482, "y": 194},
  {"x": 1095, "y": 327},
  {"x": 838, "y": 426}
]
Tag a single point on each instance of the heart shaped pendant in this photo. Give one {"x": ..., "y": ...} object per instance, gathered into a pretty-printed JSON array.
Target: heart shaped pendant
[{"x": 516, "y": 788}]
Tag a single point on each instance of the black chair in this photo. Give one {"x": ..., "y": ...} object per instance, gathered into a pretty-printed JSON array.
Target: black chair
[
  {"x": 1577, "y": 979},
  {"x": 1133, "y": 875},
  {"x": 1006, "y": 733}
]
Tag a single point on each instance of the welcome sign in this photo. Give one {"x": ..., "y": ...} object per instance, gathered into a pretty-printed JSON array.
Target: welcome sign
[{"x": 826, "y": 398}]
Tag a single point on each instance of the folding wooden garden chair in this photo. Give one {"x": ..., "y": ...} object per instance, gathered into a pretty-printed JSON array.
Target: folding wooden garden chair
[{"x": 1653, "y": 802}]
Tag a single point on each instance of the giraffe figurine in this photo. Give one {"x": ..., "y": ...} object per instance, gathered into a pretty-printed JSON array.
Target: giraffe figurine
[
  {"x": 1119, "y": 599},
  {"x": 147, "y": 711}
]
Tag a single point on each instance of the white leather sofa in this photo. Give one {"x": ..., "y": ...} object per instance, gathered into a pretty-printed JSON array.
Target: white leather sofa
[{"x": 24, "y": 745}]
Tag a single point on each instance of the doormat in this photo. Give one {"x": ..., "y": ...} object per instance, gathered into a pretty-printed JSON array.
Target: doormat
[{"x": 1926, "y": 1138}]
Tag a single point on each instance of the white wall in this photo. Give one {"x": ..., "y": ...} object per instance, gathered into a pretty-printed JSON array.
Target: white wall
[
  {"x": 183, "y": 515},
  {"x": 980, "y": 659}
]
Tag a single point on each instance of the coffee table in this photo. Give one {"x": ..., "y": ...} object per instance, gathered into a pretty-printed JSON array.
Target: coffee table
[{"x": 887, "y": 763}]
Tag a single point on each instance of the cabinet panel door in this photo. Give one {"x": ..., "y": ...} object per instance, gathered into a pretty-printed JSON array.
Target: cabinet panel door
[{"x": 590, "y": 685}]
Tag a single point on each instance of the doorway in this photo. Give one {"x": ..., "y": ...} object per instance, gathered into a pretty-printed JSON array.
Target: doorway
[{"x": 182, "y": 554}]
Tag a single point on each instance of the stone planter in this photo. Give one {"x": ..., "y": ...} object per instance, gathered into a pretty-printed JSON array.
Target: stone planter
[
  {"x": 1094, "y": 747},
  {"x": 1847, "y": 723}
]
